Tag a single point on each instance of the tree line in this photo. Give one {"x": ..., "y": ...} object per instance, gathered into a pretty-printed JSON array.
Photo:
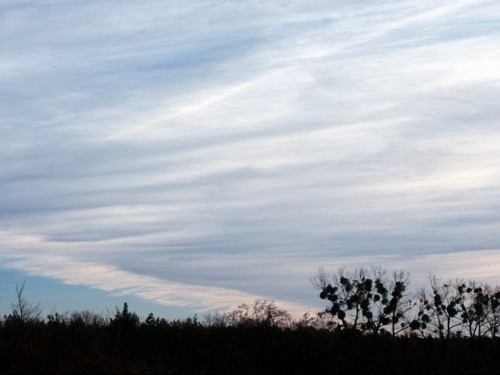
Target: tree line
[
  {"x": 372, "y": 322},
  {"x": 372, "y": 301}
]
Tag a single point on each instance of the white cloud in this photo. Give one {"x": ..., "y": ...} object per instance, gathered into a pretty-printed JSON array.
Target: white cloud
[
  {"x": 57, "y": 263},
  {"x": 240, "y": 145}
]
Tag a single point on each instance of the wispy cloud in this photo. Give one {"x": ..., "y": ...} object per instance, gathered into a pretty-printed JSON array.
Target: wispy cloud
[
  {"x": 239, "y": 146},
  {"x": 61, "y": 263}
]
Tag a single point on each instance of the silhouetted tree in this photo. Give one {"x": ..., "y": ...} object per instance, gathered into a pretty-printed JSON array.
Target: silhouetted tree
[
  {"x": 480, "y": 309},
  {"x": 125, "y": 319},
  {"x": 88, "y": 318},
  {"x": 260, "y": 338},
  {"x": 260, "y": 313},
  {"x": 22, "y": 308},
  {"x": 493, "y": 316},
  {"x": 217, "y": 319},
  {"x": 440, "y": 310},
  {"x": 366, "y": 301}
]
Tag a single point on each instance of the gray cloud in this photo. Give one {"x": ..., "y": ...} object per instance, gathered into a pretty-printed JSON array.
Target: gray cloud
[{"x": 235, "y": 148}]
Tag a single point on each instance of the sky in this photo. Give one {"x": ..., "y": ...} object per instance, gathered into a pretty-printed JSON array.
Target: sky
[{"x": 190, "y": 156}]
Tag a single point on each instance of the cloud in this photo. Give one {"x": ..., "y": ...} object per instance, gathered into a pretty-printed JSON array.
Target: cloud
[
  {"x": 60, "y": 266},
  {"x": 239, "y": 146}
]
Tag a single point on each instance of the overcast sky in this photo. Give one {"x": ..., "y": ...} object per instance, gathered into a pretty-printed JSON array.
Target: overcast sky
[{"x": 194, "y": 155}]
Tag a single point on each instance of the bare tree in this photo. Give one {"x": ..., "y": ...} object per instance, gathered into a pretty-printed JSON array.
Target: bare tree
[
  {"x": 366, "y": 300},
  {"x": 217, "y": 319},
  {"x": 260, "y": 313},
  {"x": 24, "y": 309},
  {"x": 442, "y": 307},
  {"x": 480, "y": 309}
]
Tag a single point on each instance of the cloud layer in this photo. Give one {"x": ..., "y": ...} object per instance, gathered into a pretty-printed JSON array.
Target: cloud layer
[{"x": 198, "y": 153}]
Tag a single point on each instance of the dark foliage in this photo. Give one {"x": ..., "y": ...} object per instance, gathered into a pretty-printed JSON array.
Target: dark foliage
[
  {"x": 452, "y": 329},
  {"x": 191, "y": 348},
  {"x": 372, "y": 303}
]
